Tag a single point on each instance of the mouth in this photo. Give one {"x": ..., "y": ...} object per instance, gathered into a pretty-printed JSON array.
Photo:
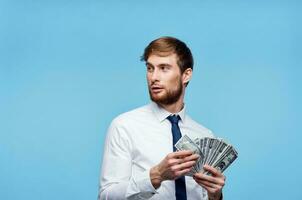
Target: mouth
[{"x": 156, "y": 89}]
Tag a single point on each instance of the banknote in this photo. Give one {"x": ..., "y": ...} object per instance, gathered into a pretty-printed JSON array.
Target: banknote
[
  {"x": 185, "y": 143},
  {"x": 212, "y": 151}
]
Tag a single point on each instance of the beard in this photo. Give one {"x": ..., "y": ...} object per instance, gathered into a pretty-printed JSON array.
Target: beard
[{"x": 169, "y": 97}]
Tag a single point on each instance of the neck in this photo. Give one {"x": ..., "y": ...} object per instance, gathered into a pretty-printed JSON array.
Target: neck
[{"x": 175, "y": 107}]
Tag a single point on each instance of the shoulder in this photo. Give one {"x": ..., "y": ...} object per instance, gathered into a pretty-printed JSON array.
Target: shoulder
[
  {"x": 197, "y": 127},
  {"x": 132, "y": 116},
  {"x": 122, "y": 126}
]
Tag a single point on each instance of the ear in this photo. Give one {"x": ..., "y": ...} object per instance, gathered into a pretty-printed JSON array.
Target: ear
[{"x": 187, "y": 75}]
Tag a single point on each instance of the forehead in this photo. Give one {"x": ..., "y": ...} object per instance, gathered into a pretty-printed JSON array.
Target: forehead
[{"x": 155, "y": 59}]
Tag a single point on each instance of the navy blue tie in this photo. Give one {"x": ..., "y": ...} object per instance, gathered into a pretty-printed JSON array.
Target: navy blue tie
[{"x": 180, "y": 183}]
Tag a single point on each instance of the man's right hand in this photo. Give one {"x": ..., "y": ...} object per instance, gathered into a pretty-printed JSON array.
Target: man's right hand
[{"x": 173, "y": 166}]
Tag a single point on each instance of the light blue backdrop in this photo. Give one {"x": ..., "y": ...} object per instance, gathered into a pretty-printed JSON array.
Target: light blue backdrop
[{"x": 67, "y": 68}]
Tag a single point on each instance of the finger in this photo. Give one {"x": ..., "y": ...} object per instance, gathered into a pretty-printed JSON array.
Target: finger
[
  {"x": 187, "y": 159},
  {"x": 182, "y": 172},
  {"x": 185, "y": 165},
  {"x": 209, "y": 189},
  {"x": 181, "y": 153},
  {"x": 191, "y": 157},
  {"x": 213, "y": 189},
  {"x": 213, "y": 171},
  {"x": 218, "y": 182},
  {"x": 174, "y": 161},
  {"x": 208, "y": 184},
  {"x": 179, "y": 161},
  {"x": 204, "y": 177}
]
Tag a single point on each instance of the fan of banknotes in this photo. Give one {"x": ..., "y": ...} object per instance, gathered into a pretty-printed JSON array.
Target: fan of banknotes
[{"x": 212, "y": 151}]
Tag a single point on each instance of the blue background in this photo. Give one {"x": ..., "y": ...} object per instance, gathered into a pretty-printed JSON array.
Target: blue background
[{"x": 67, "y": 68}]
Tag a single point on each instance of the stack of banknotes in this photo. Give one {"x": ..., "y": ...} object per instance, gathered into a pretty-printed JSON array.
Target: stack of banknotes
[{"x": 212, "y": 151}]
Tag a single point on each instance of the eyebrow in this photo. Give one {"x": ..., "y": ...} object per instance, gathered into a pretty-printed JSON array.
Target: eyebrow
[
  {"x": 147, "y": 63},
  {"x": 160, "y": 65},
  {"x": 164, "y": 64}
]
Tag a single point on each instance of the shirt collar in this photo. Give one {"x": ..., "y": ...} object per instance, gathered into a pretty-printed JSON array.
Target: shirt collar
[{"x": 161, "y": 114}]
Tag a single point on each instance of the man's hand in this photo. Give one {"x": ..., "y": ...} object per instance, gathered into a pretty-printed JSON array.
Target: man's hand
[
  {"x": 173, "y": 166},
  {"x": 213, "y": 184}
]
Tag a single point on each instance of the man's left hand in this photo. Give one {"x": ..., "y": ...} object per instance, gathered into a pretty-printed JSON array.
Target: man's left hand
[{"x": 213, "y": 184}]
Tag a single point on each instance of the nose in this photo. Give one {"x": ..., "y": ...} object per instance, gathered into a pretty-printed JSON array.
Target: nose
[{"x": 154, "y": 75}]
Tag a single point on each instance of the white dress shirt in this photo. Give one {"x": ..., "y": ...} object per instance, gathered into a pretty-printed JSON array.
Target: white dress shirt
[{"x": 136, "y": 141}]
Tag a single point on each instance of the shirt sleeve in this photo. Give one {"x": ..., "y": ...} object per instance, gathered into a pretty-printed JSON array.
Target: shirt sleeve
[{"x": 117, "y": 181}]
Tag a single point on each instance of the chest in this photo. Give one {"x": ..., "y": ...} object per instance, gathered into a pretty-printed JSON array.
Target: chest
[{"x": 152, "y": 141}]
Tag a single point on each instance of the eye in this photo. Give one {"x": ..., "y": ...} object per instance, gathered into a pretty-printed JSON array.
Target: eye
[
  {"x": 149, "y": 68},
  {"x": 164, "y": 67}
]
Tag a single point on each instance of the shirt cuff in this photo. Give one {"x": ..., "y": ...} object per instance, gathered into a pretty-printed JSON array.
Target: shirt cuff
[{"x": 141, "y": 186}]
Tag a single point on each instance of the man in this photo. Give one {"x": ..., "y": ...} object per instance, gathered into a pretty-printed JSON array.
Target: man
[{"x": 139, "y": 159}]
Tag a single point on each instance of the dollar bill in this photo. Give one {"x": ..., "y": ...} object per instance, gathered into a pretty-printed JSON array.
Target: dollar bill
[
  {"x": 185, "y": 143},
  {"x": 212, "y": 151}
]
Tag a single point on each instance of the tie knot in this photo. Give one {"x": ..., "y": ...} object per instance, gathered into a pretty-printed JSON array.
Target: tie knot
[{"x": 173, "y": 119}]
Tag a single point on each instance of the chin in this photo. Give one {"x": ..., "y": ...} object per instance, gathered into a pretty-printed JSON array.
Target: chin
[{"x": 157, "y": 98}]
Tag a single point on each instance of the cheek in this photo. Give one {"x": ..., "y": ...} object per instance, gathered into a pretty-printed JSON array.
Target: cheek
[
  {"x": 174, "y": 82},
  {"x": 148, "y": 78}
]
